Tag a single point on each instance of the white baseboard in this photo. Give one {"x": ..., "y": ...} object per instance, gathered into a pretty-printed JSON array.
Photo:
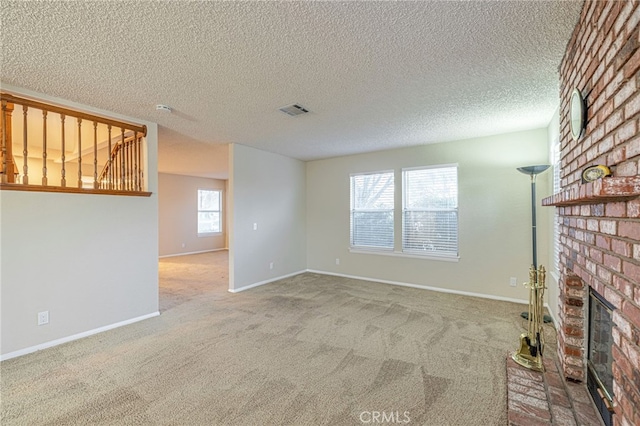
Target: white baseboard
[
  {"x": 57, "y": 342},
  {"x": 425, "y": 287},
  {"x": 270, "y": 280},
  {"x": 191, "y": 252},
  {"x": 555, "y": 321}
]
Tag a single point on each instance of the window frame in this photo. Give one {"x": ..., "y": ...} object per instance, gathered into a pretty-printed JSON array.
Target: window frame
[
  {"x": 198, "y": 211},
  {"x": 353, "y": 210},
  {"x": 434, "y": 254}
]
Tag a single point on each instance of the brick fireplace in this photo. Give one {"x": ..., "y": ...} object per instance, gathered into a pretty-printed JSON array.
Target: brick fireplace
[{"x": 600, "y": 221}]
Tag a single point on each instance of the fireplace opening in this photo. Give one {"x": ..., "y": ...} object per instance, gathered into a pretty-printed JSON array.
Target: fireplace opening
[{"x": 600, "y": 359}]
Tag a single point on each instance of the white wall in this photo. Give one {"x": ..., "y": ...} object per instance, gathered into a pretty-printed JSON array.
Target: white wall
[
  {"x": 90, "y": 260},
  {"x": 553, "y": 289},
  {"x": 267, "y": 190},
  {"x": 494, "y": 215},
  {"x": 178, "y": 214}
]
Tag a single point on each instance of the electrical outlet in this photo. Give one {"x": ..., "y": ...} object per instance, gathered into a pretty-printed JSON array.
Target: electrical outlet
[
  {"x": 271, "y": 265},
  {"x": 183, "y": 245},
  {"x": 337, "y": 260},
  {"x": 43, "y": 318},
  {"x": 255, "y": 226},
  {"x": 513, "y": 281}
]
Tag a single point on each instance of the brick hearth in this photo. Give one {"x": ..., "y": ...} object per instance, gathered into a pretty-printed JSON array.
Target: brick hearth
[{"x": 546, "y": 399}]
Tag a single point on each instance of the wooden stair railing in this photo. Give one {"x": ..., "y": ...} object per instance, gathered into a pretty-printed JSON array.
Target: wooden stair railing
[{"x": 122, "y": 169}]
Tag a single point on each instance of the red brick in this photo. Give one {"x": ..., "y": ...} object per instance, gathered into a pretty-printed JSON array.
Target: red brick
[
  {"x": 573, "y": 331},
  {"x": 633, "y": 20},
  {"x": 622, "y": 18},
  {"x": 604, "y": 274},
  {"x": 633, "y": 208},
  {"x": 596, "y": 255},
  {"x": 629, "y": 229},
  {"x": 633, "y": 148},
  {"x": 618, "y": 155},
  {"x": 573, "y": 301},
  {"x": 623, "y": 286},
  {"x": 632, "y": 107},
  {"x": 612, "y": 262},
  {"x": 527, "y": 405},
  {"x": 615, "y": 333},
  {"x": 603, "y": 241},
  {"x": 585, "y": 210},
  {"x": 631, "y": 270},
  {"x": 621, "y": 247},
  {"x": 610, "y": 12},
  {"x": 621, "y": 362},
  {"x": 627, "y": 168},
  {"x": 632, "y": 312},
  {"x": 628, "y": 88},
  {"x": 608, "y": 227},
  {"x": 616, "y": 209},
  {"x": 519, "y": 419},
  {"x": 574, "y": 281},
  {"x": 614, "y": 119},
  {"x": 613, "y": 297},
  {"x": 573, "y": 351},
  {"x": 632, "y": 65}
]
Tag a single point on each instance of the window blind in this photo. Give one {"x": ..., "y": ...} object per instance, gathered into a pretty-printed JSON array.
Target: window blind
[
  {"x": 209, "y": 203},
  {"x": 430, "y": 211},
  {"x": 372, "y": 204}
]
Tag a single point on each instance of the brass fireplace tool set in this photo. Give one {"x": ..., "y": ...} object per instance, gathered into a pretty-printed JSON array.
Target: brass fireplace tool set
[{"x": 532, "y": 342}]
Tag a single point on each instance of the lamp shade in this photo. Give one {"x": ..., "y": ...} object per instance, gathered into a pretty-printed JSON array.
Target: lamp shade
[{"x": 533, "y": 170}]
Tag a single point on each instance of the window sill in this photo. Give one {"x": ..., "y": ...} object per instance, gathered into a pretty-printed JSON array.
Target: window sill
[
  {"x": 407, "y": 255},
  {"x": 209, "y": 234}
]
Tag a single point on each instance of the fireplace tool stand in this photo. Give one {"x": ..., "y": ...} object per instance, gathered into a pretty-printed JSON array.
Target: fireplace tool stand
[{"x": 532, "y": 342}]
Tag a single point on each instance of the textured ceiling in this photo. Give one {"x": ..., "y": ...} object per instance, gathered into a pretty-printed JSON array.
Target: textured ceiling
[{"x": 375, "y": 75}]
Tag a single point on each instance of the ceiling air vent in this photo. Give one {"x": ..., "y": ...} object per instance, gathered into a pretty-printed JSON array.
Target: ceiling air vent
[{"x": 294, "y": 110}]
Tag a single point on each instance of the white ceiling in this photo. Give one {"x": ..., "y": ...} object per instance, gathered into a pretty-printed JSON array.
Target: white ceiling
[{"x": 375, "y": 75}]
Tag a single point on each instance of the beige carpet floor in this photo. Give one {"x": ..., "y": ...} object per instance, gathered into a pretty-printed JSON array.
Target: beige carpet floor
[{"x": 307, "y": 350}]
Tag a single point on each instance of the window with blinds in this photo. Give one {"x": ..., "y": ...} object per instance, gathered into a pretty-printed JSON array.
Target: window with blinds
[
  {"x": 430, "y": 211},
  {"x": 372, "y": 210},
  {"x": 209, "y": 211}
]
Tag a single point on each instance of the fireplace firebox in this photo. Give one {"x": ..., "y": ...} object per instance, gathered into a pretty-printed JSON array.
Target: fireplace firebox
[{"x": 600, "y": 359}]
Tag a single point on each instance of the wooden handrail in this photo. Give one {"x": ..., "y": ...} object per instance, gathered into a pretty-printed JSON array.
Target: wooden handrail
[
  {"x": 66, "y": 111},
  {"x": 122, "y": 172},
  {"x": 126, "y": 155},
  {"x": 58, "y": 189}
]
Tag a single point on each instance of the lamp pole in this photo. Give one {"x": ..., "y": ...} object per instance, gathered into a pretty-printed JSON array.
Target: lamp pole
[{"x": 534, "y": 171}]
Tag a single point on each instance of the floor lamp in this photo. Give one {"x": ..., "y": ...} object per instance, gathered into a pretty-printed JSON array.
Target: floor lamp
[{"x": 534, "y": 171}]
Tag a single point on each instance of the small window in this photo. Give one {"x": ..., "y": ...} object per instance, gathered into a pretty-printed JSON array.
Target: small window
[
  {"x": 372, "y": 210},
  {"x": 430, "y": 211},
  {"x": 209, "y": 211}
]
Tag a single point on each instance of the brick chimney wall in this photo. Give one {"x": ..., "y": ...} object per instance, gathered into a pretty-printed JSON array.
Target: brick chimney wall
[{"x": 600, "y": 237}]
